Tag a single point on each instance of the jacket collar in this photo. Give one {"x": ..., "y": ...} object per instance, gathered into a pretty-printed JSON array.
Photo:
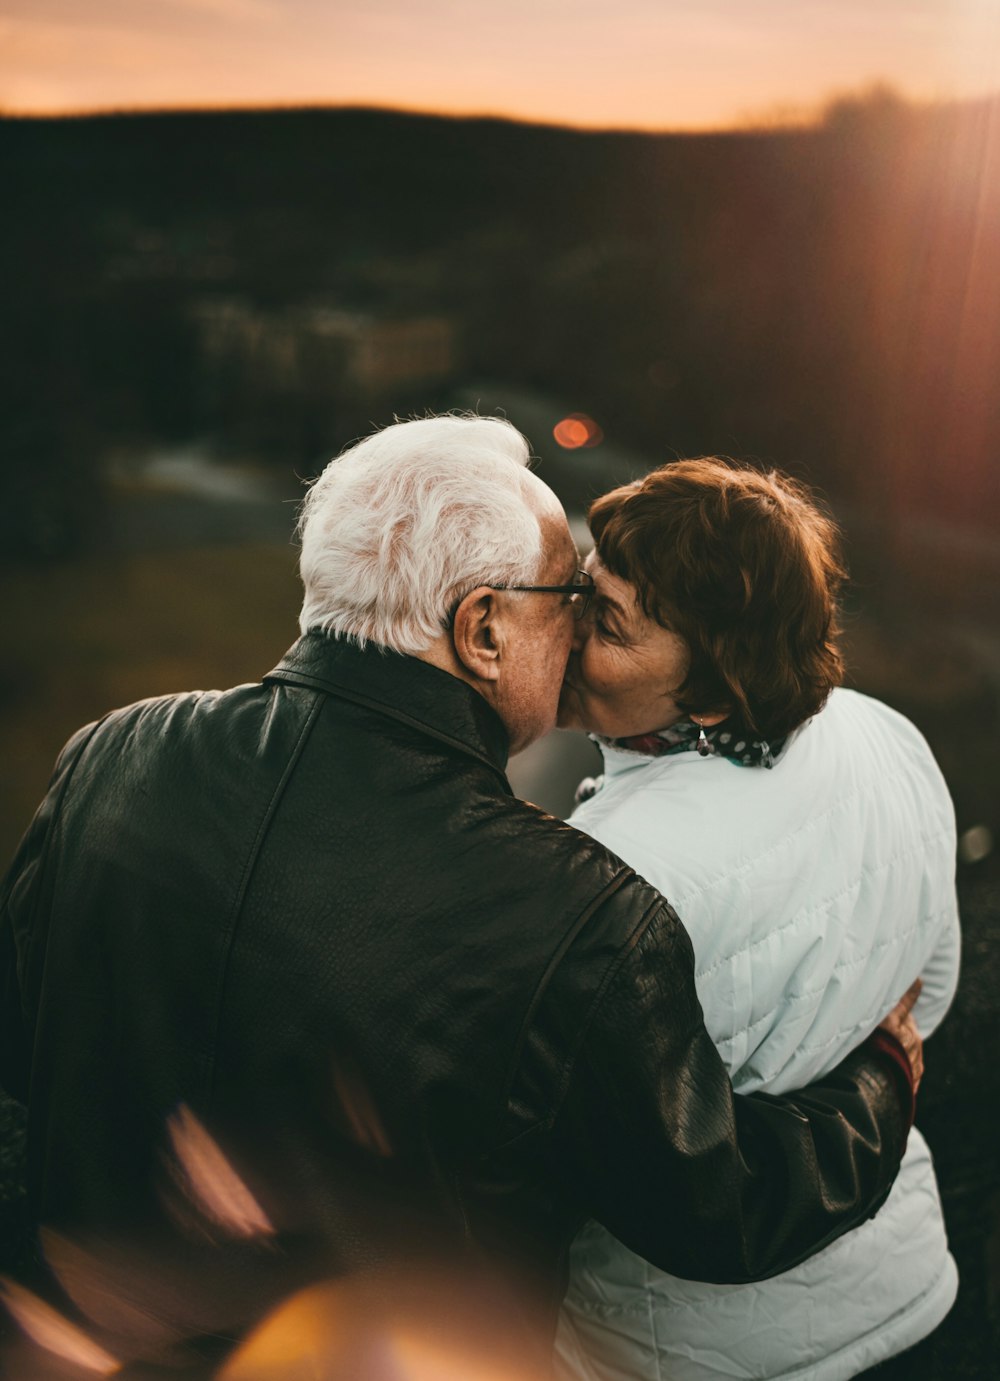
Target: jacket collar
[{"x": 404, "y": 688}]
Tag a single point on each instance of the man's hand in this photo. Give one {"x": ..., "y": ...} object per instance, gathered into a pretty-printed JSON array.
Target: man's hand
[{"x": 900, "y": 1023}]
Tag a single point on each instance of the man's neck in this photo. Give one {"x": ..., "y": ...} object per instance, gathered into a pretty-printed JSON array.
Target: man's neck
[{"x": 441, "y": 654}]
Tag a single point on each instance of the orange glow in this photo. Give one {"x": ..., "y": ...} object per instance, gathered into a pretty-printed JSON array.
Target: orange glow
[
  {"x": 46, "y": 1327},
  {"x": 660, "y": 66},
  {"x": 305, "y": 1337},
  {"x": 577, "y": 430},
  {"x": 344, "y": 1331},
  {"x": 420, "y": 1357},
  {"x": 212, "y": 1182}
]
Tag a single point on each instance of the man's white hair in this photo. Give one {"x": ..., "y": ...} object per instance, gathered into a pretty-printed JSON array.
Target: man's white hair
[{"x": 401, "y": 526}]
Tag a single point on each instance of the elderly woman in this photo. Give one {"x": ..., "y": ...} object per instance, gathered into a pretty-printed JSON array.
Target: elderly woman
[{"x": 807, "y": 839}]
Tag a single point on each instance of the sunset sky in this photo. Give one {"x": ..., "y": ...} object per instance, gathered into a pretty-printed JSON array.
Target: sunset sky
[{"x": 647, "y": 63}]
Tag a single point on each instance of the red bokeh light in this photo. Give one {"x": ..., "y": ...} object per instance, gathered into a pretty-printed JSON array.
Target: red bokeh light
[{"x": 577, "y": 430}]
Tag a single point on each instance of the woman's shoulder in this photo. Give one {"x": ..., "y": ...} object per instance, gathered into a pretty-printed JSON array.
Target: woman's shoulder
[
  {"x": 867, "y": 743},
  {"x": 687, "y": 822},
  {"x": 847, "y": 707},
  {"x": 683, "y": 822}
]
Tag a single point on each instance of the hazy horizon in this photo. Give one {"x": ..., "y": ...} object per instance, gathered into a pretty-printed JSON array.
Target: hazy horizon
[
  {"x": 779, "y": 119},
  {"x": 652, "y": 65}
]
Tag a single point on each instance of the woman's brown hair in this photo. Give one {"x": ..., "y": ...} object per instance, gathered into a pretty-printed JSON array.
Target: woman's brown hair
[{"x": 747, "y": 570}]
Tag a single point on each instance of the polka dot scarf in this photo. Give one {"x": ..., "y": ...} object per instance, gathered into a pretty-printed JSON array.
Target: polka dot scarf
[{"x": 682, "y": 737}]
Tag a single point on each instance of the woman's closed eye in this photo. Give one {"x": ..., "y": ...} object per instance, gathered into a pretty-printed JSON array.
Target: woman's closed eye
[{"x": 608, "y": 632}]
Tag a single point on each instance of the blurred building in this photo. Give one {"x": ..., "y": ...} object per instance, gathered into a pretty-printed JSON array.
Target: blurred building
[
  {"x": 292, "y": 380},
  {"x": 305, "y": 347}
]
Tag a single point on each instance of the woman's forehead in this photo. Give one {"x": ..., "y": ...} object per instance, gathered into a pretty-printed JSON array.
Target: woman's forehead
[
  {"x": 610, "y": 586},
  {"x": 622, "y": 597}
]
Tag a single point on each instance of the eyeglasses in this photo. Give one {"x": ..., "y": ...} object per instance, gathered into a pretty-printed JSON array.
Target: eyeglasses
[{"x": 581, "y": 592}]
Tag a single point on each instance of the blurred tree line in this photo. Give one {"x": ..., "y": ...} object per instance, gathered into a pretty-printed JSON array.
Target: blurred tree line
[{"x": 826, "y": 299}]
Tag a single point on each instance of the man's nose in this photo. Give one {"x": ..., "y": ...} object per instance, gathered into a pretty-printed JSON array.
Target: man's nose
[{"x": 581, "y": 631}]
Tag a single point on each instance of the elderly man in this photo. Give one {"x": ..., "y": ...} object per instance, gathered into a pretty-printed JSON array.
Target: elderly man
[{"x": 290, "y": 963}]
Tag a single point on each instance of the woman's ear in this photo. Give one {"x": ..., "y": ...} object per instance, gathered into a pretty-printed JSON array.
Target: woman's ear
[
  {"x": 711, "y": 718},
  {"x": 475, "y": 634}
]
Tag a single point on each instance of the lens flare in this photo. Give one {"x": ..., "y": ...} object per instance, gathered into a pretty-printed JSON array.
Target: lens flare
[
  {"x": 47, "y": 1327},
  {"x": 111, "y": 1290},
  {"x": 212, "y": 1182},
  {"x": 359, "y": 1109}
]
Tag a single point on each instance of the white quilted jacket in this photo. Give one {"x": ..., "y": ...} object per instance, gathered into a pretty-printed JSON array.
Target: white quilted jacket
[{"x": 814, "y": 893}]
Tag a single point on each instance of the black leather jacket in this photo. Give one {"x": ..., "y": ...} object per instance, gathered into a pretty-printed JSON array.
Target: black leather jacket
[{"x": 312, "y": 911}]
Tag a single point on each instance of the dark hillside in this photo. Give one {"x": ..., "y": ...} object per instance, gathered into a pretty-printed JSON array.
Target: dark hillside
[{"x": 827, "y": 300}]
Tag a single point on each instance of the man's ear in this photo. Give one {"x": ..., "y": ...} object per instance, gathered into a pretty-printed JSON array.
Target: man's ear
[{"x": 475, "y": 634}]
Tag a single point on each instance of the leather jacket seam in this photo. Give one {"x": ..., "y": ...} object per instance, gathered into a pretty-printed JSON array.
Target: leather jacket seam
[
  {"x": 569, "y": 1065},
  {"x": 561, "y": 1084},
  {"x": 241, "y": 891},
  {"x": 47, "y": 844},
  {"x": 555, "y": 959}
]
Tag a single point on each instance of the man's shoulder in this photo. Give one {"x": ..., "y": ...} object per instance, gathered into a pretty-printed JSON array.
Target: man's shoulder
[
  {"x": 173, "y": 711},
  {"x": 203, "y": 726}
]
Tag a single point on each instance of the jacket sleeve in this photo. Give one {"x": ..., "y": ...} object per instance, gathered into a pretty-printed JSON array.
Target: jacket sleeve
[
  {"x": 20, "y": 943},
  {"x": 940, "y": 975},
  {"x": 703, "y": 1183}
]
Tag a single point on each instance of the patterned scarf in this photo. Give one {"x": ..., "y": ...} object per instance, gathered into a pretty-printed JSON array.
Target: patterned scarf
[{"x": 682, "y": 737}]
